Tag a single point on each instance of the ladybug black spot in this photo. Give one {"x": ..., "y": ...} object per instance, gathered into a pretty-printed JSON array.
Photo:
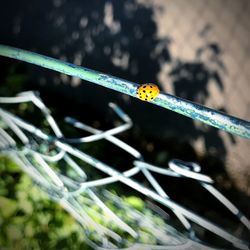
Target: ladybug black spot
[
  {"x": 146, "y": 99},
  {"x": 151, "y": 86},
  {"x": 144, "y": 91},
  {"x": 152, "y": 98},
  {"x": 144, "y": 87},
  {"x": 150, "y": 92}
]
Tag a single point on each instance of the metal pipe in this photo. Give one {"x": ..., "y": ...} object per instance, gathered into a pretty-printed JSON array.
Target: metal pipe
[{"x": 193, "y": 110}]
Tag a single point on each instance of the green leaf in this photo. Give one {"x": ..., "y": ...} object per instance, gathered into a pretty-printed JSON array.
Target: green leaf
[
  {"x": 29, "y": 230},
  {"x": 19, "y": 220},
  {"x": 135, "y": 202},
  {"x": 14, "y": 233},
  {"x": 8, "y": 165},
  {"x": 26, "y": 206},
  {"x": 7, "y": 207}
]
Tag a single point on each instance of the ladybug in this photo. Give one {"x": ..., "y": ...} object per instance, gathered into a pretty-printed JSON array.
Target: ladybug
[{"x": 147, "y": 91}]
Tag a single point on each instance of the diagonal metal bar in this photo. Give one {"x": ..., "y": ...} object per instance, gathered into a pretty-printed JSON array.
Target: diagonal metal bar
[{"x": 193, "y": 110}]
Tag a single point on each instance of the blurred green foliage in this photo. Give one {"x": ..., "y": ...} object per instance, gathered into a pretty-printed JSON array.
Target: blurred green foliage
[{"x": 28, "y": 219}]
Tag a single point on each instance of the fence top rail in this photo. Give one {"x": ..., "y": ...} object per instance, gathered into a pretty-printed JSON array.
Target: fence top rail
[{"x": 187, "y": 108}]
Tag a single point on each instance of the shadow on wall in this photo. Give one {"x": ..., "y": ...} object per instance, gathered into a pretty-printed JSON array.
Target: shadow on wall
[
  {"x": 190, "y": 80},
  {"x": 118, "y": 38}
]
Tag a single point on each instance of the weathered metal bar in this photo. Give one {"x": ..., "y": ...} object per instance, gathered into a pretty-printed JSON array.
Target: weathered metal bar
[{"x": 193, "y": 110}]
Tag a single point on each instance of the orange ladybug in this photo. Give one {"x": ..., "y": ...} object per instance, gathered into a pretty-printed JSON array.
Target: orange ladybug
[{"x": 147, "y": 91}]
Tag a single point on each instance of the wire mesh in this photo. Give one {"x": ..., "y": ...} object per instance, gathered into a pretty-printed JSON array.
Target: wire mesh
[{"x": 78, "y": 193}]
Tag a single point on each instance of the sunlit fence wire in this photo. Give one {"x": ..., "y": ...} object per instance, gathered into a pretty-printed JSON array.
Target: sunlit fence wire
[{"x": 92, "y": 202}]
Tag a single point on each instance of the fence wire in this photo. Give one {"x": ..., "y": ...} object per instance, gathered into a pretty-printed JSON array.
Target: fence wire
[
  {"x": 78, "y": 193},
  {"x": 190, "y": 109}
]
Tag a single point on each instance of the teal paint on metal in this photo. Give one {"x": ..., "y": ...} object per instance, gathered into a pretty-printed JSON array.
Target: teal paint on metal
[
  {"x": 70, "y": 69},
  {"x": 206, "y": 115},
  {"x": 193, "y": 110}
]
